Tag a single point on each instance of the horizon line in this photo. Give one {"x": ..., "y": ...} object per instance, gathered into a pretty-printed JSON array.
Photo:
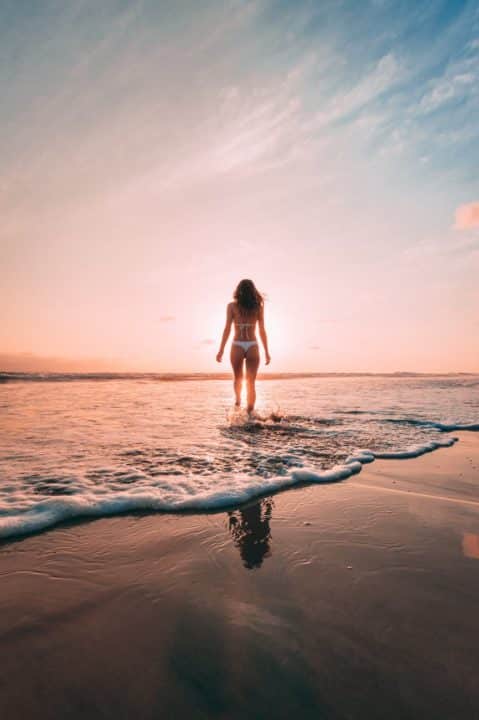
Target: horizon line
[{"x": 6, "y": 375}]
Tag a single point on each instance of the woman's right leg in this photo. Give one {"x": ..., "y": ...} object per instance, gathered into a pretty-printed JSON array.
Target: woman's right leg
[
  {"x": 252, "y": 364},
  {"x": 237, "y": 358}
]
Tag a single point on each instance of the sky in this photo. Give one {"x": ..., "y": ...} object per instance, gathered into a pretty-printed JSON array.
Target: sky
[{"x": 154, "y": 153}]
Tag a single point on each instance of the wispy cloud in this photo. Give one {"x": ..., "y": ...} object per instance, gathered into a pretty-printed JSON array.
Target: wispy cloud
[
  {"x": 381, "y": 78},
  {"x": 447, "y": 89},
  {"x": 458, "y": 82},
  {"x": 266, "y": 89}
]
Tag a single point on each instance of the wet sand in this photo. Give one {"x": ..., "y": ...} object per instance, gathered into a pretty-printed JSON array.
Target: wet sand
[{"x": 351, "y": 600}]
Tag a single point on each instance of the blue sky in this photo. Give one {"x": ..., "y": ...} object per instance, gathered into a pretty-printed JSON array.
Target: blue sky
[{"x": 155, "y": 152}]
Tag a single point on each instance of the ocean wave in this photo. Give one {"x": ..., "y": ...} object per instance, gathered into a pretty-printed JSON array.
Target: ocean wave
[
  {"x": 9, "y": 376},
  {"x": 180, "y": 497},
  {"x": 442, "y": 427},
  {"x": 51, "y": 512},
  {"x": 95, "y": 449},
  {"x": 39, "y": 377}
]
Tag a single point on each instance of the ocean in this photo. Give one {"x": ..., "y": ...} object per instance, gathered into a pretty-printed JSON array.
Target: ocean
[{"x": 74, "y": 446}]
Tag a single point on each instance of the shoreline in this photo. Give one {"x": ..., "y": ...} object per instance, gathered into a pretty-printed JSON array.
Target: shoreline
[
  {"x": 35, "y": 522},
  {"x": 352, "y": 599}
]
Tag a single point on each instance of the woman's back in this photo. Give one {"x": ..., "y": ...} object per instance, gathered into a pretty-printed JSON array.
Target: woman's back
[{"x": 244, "y": 322}]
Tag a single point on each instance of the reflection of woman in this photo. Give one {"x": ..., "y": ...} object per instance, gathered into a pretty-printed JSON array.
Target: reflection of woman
[
  {"x": 251, "y": 533},
  {"x": 245, "y": 311}
]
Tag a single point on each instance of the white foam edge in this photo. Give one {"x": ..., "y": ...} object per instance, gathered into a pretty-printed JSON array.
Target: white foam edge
[
  {"x": 51, "y": 512},
  {"x": 367, "y": 456}
]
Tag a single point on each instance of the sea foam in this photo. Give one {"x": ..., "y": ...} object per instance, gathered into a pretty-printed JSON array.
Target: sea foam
[
  {"x": 74, "y": 450},
  {"x": 53, "y": 511}
]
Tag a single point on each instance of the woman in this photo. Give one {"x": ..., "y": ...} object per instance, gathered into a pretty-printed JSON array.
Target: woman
[{"x": 245, "y": 311}]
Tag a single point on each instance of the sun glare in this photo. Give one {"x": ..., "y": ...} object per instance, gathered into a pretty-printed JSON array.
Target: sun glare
[{"x": 276, "y": 331}]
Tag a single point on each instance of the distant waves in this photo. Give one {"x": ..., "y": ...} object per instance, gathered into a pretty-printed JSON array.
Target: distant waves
[{"x": 179, "y": 377}]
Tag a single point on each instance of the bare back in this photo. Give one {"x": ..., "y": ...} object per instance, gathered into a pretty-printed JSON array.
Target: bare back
[{"x": 244, "y": 324}]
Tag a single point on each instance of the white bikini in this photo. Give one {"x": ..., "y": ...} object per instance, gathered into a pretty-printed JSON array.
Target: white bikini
[{"x": 245, "y": 344}]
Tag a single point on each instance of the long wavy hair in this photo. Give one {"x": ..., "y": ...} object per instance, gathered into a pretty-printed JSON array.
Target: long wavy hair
[{"x": 249, "y": 299}]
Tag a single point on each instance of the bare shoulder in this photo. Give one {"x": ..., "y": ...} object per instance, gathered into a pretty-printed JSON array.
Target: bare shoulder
[{"x": 230, "y": 308}]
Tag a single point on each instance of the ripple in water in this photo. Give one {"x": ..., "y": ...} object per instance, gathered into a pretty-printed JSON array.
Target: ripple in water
[{"x": 94, "y": 448}]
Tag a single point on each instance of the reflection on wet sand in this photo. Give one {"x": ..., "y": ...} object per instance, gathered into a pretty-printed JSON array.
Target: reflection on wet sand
[
  {"x": 470, "y": 545},
  {"x": 251, "y": 533}
]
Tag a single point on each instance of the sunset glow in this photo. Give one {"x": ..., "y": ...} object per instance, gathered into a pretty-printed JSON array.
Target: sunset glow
[{"x": 155, "y": 153}]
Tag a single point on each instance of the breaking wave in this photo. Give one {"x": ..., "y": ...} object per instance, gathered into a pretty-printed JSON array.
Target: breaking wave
[{"x": 92, "y": 450}]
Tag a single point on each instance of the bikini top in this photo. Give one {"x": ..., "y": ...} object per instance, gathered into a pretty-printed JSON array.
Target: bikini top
[{"x": 242, "y": 327}]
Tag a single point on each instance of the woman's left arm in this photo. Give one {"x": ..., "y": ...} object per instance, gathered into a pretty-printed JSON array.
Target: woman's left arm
[
  {"x": 263, "y": 336},
  {"x": 226, "y": 332}
]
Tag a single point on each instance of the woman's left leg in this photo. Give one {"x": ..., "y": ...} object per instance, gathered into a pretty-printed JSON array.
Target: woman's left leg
[
  {"x": 252, "y": 364},
  {"x": 237, "y": 358}
]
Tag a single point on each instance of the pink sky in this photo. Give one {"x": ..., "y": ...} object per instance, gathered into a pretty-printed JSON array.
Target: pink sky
[{"x": 165, "y": 158}]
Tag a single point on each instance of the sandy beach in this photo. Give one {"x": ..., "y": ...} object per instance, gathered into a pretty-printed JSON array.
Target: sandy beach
[
  {"x": 350, "y": 600},
  {"x": 239, "y": 360}
]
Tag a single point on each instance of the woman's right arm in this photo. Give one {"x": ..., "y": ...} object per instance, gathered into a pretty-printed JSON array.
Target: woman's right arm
[
  {"x": 263, "y": 336},
  {"x": 226, "y": 332}
]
